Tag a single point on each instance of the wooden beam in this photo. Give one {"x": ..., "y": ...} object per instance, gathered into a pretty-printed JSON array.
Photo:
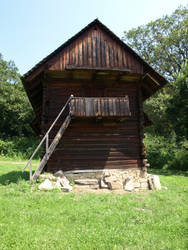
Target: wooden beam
[
  {"x": 154, "y": 80},
  {"x": 52, "y": 147}
]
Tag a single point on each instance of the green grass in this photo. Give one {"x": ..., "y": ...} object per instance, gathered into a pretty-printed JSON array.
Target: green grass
[{"x": 30, "y": 219}]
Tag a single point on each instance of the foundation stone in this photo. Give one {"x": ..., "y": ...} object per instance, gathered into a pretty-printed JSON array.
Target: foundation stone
[{"x": 113, "y": 179}]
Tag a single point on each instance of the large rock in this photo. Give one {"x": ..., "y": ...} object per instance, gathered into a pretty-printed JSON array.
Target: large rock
[
  {"x": 154, "y": 182},
  {"x": 66, "y": 187},
  {"x": 113, "y": 182},
  {"x": 129, "y": 186},
  {"x": 46, "y": 185},
  {"x": 86, "y": 182},
  {"x": 103, "y": 184},
  {"x": 57, "y": 184},
  {"x": 115, "y": 185},
  {"x": 59, "y": 174}
]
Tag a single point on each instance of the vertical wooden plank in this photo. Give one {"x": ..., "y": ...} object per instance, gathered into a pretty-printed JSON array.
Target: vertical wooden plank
[
  {"x": 86, "y": 51},
  {"x": 80, "y": 53},
  {"x": 109, "y": 55},
  {"x": 128, "y": 61},
  {"x": 122, "y": 58},
  {"x": 68, "y": 55},
  {"x": 122, "y": 107},
  {"x": 117, "y": 106},
  {"x": 77, "y": 109},
  {"x": 128, "y": 105},
  {"x": 96, "y": 107},
  {"x": 71, "y": 107},
  {"x": 93, "y": 108},
  {"x": 87, "y": 106},
  {"x": 104, "y": 55},
  {"x": 105, "y": 107},
  {"x": 75, "y": 54},
  {"x": 117, "y": 57},
  {"x": 100, "y": 48},
  {"x": 125, "y": 59},
  {"x": 81, "y": 106},
  {"x": 94, "y": 48},
  {"x": 114, "y": 106},
  {"x": 115, "y": 54},
  {"x": 74, "y": 106},
  {"x": 89, "y": 51},
  {"x": 99, "y": 107},
  {"x": 103, "y": 104},
  {"x": 84, "y": 103},
  {"x": 110, "y": 107},
  {"x": 60, "y": 61},
  {"x": 83, "y": 50}
]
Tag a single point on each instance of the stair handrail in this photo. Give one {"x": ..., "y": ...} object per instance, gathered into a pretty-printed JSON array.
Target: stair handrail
[{"x": 46, "y": 137}]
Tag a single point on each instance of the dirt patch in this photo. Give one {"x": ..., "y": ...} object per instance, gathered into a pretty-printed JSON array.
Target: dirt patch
[{"x": 83, "y": 190}]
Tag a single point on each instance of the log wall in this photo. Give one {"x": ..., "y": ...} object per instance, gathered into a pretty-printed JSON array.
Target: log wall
[{"x": 91, "y": 143}]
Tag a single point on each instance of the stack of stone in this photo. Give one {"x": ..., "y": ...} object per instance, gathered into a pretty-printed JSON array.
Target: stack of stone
[
  {"x": 56, "y": 181},
  {"x": 128, "y": 180}
]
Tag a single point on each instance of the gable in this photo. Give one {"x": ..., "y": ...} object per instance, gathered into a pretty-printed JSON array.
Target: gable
[{"x": 95, "y": 49}]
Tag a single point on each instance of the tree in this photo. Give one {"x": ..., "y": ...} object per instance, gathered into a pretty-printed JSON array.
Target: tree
[
  {"x": 15, "y": 109},
  {"x": 177, "y": 111},
  {"x": 163, "y": 42}
]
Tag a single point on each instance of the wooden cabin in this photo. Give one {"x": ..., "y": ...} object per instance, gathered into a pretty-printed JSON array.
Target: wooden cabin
[{"x": 108, "y": 82}]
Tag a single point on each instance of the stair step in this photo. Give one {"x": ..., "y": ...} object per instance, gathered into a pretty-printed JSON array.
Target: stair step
[{"x": 86, "y": 182}]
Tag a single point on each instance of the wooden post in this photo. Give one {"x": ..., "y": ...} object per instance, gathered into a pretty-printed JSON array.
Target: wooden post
[
  {"x": 47, "y": 144},
  {"x": 30, "y": 171}
]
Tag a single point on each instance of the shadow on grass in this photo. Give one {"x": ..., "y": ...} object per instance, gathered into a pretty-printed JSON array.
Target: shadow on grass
[
  {"x": 13, "y": 177},
  {"x": 167, "y": 172}
]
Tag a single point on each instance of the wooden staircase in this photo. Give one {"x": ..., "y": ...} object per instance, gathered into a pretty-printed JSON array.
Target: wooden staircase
[{"x": 49, "y": 149}]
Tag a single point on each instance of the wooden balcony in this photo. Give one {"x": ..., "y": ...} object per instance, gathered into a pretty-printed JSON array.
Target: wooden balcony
[{"x": 100, "y": 106}]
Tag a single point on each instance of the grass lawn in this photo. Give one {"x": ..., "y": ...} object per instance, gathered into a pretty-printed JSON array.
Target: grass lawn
[{"x": 31, "y": 219}]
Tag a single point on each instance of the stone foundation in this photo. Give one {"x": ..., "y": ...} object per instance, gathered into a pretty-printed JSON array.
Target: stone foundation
[{"x": 129, "y": 179}]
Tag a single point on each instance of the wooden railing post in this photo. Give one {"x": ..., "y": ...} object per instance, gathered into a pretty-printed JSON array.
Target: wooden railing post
[
  {"x": 49, "y": 149},
  {"x": 47, "y": 143},
  {"x": 30, "y": 171}
]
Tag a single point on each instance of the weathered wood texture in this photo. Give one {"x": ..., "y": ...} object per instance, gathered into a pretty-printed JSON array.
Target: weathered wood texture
[
  {"x": 58, "y": 95},
  {"x": 106, "y": 133},
  {"x": 93, "y": 144},
  {"x": 95, "y": 49},
  {"x": 100, "y": 106},
  {"x": 52, "y": 147}
]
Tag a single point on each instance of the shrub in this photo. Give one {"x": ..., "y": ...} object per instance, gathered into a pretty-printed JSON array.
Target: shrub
[
  {"x": 18, "y": 147},
  {"x": 164, "y": 153}
]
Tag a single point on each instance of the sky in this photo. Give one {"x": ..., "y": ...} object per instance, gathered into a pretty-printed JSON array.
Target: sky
[{"x": 32, "y": 29}]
